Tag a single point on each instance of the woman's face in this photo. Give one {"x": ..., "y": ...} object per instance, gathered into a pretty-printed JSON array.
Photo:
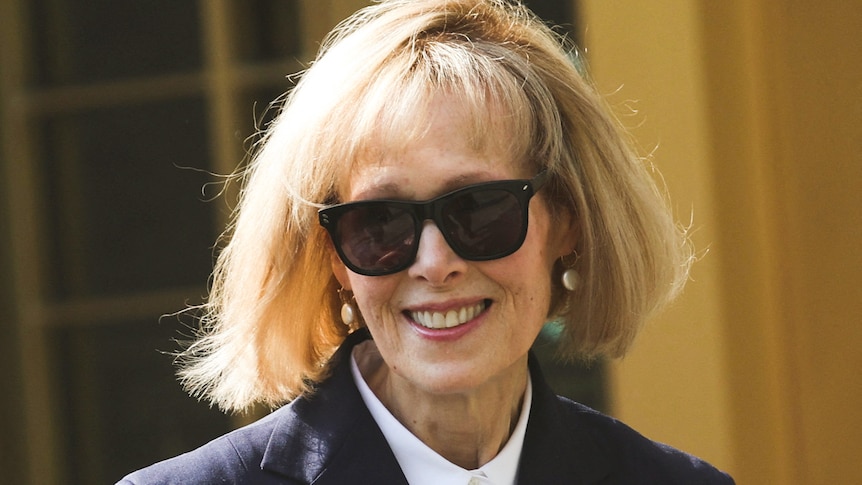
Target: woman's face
[{"x": 501, "y": 304}]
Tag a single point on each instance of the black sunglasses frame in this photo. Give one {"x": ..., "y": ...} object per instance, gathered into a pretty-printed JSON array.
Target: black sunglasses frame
[{"x": 432, "y": 209}]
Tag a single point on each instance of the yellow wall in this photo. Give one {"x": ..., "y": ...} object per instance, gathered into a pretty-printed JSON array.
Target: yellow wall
[{"x": 756, "y": 110}]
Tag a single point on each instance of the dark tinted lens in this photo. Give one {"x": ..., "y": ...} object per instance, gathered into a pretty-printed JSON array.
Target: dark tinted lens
[
  {"x": 377, "y": 237},
  {"x": 483, "y": 224}
]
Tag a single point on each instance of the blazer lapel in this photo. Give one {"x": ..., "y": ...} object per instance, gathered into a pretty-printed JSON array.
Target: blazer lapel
[
  {"x": 556, "y": 448},
  {"x": 330, "y": 437}
]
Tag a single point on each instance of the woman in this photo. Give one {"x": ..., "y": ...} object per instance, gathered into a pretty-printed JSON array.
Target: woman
[{"x": 440, "y": 183}]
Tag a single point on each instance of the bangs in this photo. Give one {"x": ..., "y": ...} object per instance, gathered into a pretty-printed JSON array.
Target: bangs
[{"x": 486, "y": 83}]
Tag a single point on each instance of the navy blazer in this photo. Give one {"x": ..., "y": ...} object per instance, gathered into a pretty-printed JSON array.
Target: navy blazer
[{"x": 330, "y": 438}]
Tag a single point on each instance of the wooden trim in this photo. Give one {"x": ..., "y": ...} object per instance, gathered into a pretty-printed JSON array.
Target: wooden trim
[
  {"x": 26, "y": 221},
  {"x": 65, "y": 99},
  {"x": 115, "y": 310},
  {"x": 220, "y": 86}
]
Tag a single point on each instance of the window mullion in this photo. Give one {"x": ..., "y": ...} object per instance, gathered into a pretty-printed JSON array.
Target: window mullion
[
  {"x": 27, "y": 221},
  {"x": 220, "y": 84}
]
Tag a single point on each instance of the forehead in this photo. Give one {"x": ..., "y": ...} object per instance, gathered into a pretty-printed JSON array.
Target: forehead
[
  {"x": 408, "y": 118},
  {"x": 443, "y": 146},
  {"x": 385, "y": 106}
]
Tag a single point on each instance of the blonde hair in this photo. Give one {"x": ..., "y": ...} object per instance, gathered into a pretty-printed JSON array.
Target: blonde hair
[{"x": 271, "y": 321}]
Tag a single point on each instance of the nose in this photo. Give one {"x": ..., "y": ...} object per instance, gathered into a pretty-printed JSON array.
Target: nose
[{"x": 436, "y": 262}]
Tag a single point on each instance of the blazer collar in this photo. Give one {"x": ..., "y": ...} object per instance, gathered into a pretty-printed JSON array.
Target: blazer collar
[
  {"x": 559, "y": 446},
  {"x": 330, "y": 437}
]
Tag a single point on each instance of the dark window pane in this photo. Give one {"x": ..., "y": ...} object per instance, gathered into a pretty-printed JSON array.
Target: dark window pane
[
  {"x": 552, "y": 10},
  {"x": 84, "y": 41},
  {"x": 267, "y": 30},
  {"x": 558, "y": 13},
  {"x": 258, "y": 108},
  {"x": 127, "y": 210},
  {"x": 121, "y": 407}
]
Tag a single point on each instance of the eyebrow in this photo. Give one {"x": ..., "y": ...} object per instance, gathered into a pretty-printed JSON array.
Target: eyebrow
[
  {"x": 392, "y": 190},
  {"x": 375, "y": 191}
]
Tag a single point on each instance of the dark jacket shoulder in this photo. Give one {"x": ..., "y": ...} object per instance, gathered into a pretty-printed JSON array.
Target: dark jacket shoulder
[
  {"x": 625, "y": 456},
  {"x": 326, "y": 438},
  {"x": 232, "y": 458},
  {"x": 330, "y": 438}
]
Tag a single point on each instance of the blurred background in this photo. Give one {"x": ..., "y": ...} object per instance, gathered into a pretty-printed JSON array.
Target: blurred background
[{"x": 115, "y": 114}]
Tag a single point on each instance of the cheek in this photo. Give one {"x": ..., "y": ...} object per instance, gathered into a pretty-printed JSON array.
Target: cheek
[
  {"x": 373, "y": 295},
  {"x": 527, "y": 279}
]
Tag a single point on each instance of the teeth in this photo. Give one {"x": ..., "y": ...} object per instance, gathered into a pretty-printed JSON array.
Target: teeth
[{"x": 450, "y": 319}]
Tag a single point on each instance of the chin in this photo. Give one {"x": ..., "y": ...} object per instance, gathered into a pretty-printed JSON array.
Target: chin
[{"x": 455, "y": 378}]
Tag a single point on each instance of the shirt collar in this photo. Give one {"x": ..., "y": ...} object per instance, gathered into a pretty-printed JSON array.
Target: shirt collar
[{"x": 422, "y": 465}]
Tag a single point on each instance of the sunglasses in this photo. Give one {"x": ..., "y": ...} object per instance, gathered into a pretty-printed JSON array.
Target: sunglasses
[{"x": 480, "y": 222}]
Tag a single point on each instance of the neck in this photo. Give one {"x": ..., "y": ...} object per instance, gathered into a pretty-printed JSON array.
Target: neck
[{"x": 468, "y": 428}]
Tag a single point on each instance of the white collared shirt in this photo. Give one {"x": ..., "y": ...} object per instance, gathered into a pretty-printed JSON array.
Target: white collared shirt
[{"x": 422, "y": 465}]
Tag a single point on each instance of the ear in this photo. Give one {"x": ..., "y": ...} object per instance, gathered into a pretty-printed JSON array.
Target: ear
[
  {"x": 338, "y": 268},
  {"x": 566, "y": 234}
]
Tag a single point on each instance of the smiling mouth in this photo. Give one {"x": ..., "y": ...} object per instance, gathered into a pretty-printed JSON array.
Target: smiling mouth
[{"x": 452, "y": 318}]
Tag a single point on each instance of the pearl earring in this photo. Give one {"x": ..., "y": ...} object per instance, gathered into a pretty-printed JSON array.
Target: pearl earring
[
  {"x": 571, "y": 279},
  {"x": 348, "y": 311},
  {"x": 348, "y": 314}
]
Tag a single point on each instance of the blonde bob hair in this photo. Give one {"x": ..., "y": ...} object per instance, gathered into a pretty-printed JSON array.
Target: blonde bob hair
[{"x": 271, "y": 322}]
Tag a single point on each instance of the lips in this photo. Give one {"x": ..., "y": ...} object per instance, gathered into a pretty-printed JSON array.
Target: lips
[{"x": 448, "y": 319}]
